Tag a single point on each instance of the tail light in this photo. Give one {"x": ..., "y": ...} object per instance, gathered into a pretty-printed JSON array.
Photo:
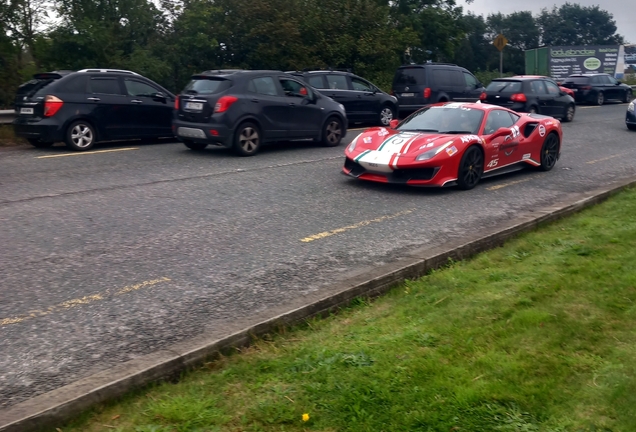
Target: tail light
[
  {"x": 52, "y": 104},
  {"x": 518, "y": 97},
  {"x": 224, "y": 103},
  {"x": 482, "y": 96},
  {"x": 176, "y": 103},
  {"x": 427, "y": 92}
]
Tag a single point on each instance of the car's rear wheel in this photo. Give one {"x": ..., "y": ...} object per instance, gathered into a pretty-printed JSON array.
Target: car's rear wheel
[
  {"x": 549, "y": 152},
  {"x": 39, "y": 144},
  {"x": 195, "y": 146},
  {"x": 569, "y": 113},
  {"x": 386, "y": 115},
  {"x": 247, "y": 139},
  {"x": 332, "y": 132},
  {"x": 628, "y": 96},
  {"x": 471, "y": 168},
  {"x": 600, "y": 98},
  {"x": 80, "y": 136}
]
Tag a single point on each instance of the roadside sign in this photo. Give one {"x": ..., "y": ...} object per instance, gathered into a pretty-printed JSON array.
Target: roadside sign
[{"x": 500, "y": 42}]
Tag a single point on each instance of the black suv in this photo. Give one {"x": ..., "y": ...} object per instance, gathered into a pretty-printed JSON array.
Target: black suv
[
  {"x": 91, "y": 105},
  {"x": 243, "y": 109},
  {"x": 530, "y": 94},
  {"x": 596, "y": 88},
  {"x": 363, "y": 101},
  {"x": 417, "y": 85}
]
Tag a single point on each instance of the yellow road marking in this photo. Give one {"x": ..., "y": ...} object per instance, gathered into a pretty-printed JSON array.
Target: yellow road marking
[
  {"x": 354, "y": 226},
  {"x": 606, "y": 158},
  {"x": 79, "y": 301},
  {"x": 588, "y": 107},
  {"x": 492, "y": 188},
  {"x": 87, "y": 153}
]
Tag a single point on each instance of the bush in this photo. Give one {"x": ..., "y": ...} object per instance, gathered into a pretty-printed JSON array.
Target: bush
[{"x": 486, "y": 76}]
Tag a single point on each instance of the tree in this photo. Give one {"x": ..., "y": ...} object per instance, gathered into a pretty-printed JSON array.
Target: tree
[
  {"x": 522, "y": 32},
  {"x": 573, "y": 24}
]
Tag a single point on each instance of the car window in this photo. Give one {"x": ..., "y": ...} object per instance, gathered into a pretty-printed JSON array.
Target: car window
[
  {"x": 138, "y": 88},
  {"x": 613, "y": 80},
  {"x": 504, "y": 86},
  {"x": 293, "y": 88},
  {"x": 263, "y": 85},
  {"x": 317, "y": 82},
  {"x": 442, "y": 77},
  {"x": 207, "y": 86},
  {"x": 410, "y": 76},
  {"x": 538, "y": 87},
  {"x": 337, "y": 82},
  {"x": 470, "y": 80},
  {"x": 361, "y": 85},
  {"x": 105, "y": 85},
  {"x": 446, "y": 119},
  {"x": 74, "y": 84},
  {"x": 456, "y": 78},
  {"x": 596, "y": 80},
  {"x": 553, "y": 89},
  {"x": 576, "y": 80},
  {"x": 497, "y": 119}
]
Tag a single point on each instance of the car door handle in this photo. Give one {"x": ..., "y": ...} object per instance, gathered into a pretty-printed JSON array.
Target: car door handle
[
  {"x": 255, "y": 100},
  {"x": 94, "y": 99},
  {"x": 292, "y": 104},
  {"x": 136, "y": 101}
]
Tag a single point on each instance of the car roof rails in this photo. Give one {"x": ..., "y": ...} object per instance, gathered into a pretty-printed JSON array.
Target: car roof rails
[
  {"x": 109, "y": 70},
  {"x": 431, "y": 63},
  {"x": 221, "y": 71}
]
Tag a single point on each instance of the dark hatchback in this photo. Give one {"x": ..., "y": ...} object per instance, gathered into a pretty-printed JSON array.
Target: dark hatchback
[
  {"x": 91, "y": 105},
  {"x": 243, "y": 109},
  {"x": 597, "y": 88},
  {"x": 531, "y": 95},
  {"x": 364, "y": 102}
]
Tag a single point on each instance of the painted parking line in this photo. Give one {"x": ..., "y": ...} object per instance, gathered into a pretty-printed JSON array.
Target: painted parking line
[
  {"x": 606, "y": 158},
  {"x": 87, "y": 153},
  {"x": 364, "y": 223},
  {"x": 68, "y": 304}
]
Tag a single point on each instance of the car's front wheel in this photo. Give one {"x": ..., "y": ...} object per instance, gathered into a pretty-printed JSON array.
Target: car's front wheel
[
  {"x": 386, "y": 115},
  {"x": 332, "y": 132},
  {"x": 247, "y": 139},
  {"x": 627, "y": 96},
  {"x": 600, "y": 99},
  {"x": 568, "y": 116},
  {"x": 39, "y": 144},
  {"x": 549, "y": 152},
  {"x": 80, "y": 136},
  {"x": 471, "y": 168}
]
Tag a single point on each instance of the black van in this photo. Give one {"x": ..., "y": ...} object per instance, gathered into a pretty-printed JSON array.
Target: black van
[{"x": 417, "y": 85}]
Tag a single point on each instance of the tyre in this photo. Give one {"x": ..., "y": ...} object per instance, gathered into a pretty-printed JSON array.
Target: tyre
[
  {"x": 195, "y": 146},
  {"x": 332, "y": 132},
  {"x": 600, "y": 98},
  {"x": 387, "y": 114},
  {"x": 568, "y": 116},
  {"x": 533, "y": 110},
  {"x": 471, "y": 168},
  {"x": 39, "y": 144},
  {"x": 627, "y": 96},
  {"x": 80, "y": 136},
  {"x": 247, "y": 139},
  {"x": 549, "y": 152}
]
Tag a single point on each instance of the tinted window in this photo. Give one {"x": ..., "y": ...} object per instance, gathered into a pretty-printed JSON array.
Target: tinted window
[
  {"x": 263, "y": 85},
  {"x": 410, "y": 76},
  {"x": 138, "y": 88},
  {"x": 613, "y": 80},
  {"x": 456, "y": 78},
  {"x": 605, "y": 79},
  {"x": 504, "y": 86},
  {"x": 537, "y": 87},
  {"x": 337, "y": 82},
  {"x": 470, "y": 80},
  {"x": 596, "y": 80},
  {"x": 576, "y": 80},
  {"x": 293, "y": 88},
  {"x": 442, "y": 77},
  {"x": 316, "y": 81},
  {"x": 497, "y": 119},
  {"x": 105, "y": 86},
  {"x": 361, "y": 85},
  {"x": 207, "y": 86},
  {"x": 553, "y": 89},
  {"x": 455, "y": 119},
  {"x": 30, "y": 87}
]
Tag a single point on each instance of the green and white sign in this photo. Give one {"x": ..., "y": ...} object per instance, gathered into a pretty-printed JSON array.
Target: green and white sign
[{"x": 568, "y": 60}]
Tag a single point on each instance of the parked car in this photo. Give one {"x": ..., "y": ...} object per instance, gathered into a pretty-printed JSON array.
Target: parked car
[
  {"x": 596, "y": 88},
  {"x": 91, "y": 105},
  {"x": 630, "y": 117},
  {"x": 364, "y": 102},
  {"x": 417, "y": 85},
  {"x": 566, "y": 90},
  {"x": 243, "y": 109},
  {"x": 532, "y": 95},
  {"x": 454, "y": 144}
]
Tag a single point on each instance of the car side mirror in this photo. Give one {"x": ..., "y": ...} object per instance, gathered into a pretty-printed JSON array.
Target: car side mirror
[
  {"x": 503, "y": 131},
  {"x": 159, "y": 96},
  {"x": 393, "y": 123},
  {"x": 479, "y": 85}
]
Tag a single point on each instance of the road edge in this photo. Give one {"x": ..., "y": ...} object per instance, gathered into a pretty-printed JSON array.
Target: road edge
[{"x": 60, "y": 405}]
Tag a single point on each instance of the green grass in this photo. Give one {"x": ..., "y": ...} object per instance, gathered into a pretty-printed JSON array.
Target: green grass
[
  {"x": 8, "y": 138},
  {"x": 539, "y": 335}
]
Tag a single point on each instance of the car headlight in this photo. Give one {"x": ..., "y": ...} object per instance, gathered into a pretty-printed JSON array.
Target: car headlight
[
  {"x": 431, "y": 153},
  {"x": 352, "y": 146},
  {"x": 630, "y": 107}
]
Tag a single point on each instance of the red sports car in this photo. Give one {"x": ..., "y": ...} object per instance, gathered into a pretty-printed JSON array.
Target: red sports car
[{"x": 453, "y": 143}]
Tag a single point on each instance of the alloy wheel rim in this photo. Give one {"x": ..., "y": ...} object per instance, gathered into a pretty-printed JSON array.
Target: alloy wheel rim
[
  {"x": 551, "y": 148},
  {"x": 570, "y": 114},
  {"x": 600, "y": 98},
  {"x": 386, "y": 116},
  {"x": 248, "y": 139},
  {"x": 333, "y": 132},
  {"x": 82, "y": 136},
  {"x": 472, "y": 168}
]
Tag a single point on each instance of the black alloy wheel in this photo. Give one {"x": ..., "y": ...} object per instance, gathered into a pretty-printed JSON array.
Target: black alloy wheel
[
  {"x": 549, "y": 152},
  {"x": 247, "y": 139},
  {"x": 332, "y": 132},
  {"x": 569, "y": 114},
  {"x": 471, "y": 168}
]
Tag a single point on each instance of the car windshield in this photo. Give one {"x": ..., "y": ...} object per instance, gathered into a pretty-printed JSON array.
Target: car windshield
[
  {"x": 504, "y": 86},
  {"x": 444, "y": 119},
  {"x": 206, "y": 86}
]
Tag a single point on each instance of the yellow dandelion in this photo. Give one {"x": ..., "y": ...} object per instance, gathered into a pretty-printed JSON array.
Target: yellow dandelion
[{"x": 305, "y": 417}]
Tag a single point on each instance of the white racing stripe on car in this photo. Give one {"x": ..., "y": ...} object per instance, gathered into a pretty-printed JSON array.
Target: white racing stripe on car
[{"x": 376, "y": 161}]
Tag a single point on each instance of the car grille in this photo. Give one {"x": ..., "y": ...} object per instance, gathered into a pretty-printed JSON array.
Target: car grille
[{"x": 397, "y": 176}]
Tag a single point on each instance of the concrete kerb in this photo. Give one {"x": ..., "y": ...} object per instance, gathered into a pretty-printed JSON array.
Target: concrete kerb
[{"x": 57, "y": 406}]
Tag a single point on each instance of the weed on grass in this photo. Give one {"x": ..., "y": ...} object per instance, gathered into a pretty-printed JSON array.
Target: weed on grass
[{"x": 538, "y": 335}]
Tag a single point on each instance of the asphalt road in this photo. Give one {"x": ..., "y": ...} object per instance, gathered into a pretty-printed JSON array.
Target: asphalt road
[{"x": 114, "y": 254}]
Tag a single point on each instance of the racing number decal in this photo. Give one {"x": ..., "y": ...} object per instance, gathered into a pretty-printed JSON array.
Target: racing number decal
[{"x": 493, "y": 163}]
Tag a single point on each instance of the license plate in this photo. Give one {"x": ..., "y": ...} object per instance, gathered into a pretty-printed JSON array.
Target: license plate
[
  {"x": 195, "y": 106},
  {"x": 26, "y": 110},
  {"x": 190, "y": 132},
  {"x": 408, "y": 94}
]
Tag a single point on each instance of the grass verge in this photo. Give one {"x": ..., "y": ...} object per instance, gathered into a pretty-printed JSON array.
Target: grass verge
[
  {"x": 539, "y": 335},
  {"x": 8, "y": 138}
]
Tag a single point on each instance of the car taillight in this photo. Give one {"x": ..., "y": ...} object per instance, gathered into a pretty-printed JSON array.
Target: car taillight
[
  {"x": 52, "y": 104},
  {"x": 176, "y": 103},
  {"x": 427, "y": 92},
  {"x": 518, "y": 97},
  {"x": 224, "y": 103},
  {"x": 482, "y": 96}
]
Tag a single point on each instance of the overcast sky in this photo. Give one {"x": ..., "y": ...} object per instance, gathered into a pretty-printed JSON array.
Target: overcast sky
[{"x": 624, "y": 11}]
